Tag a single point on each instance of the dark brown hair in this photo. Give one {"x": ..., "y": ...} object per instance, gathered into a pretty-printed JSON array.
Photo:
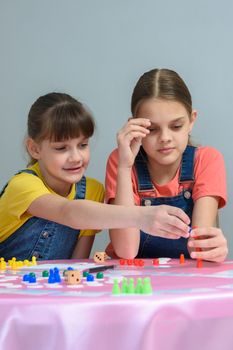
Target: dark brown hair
[
  {"x": 57, "y": 117},
  {"x": 162, "y": 84}
]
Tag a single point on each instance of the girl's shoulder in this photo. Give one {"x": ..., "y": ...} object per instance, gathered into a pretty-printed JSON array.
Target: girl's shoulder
[
  {"x": 94, "y": 189},
  {"x": 24, "y": 179},
  {"x": 207, "y": 154}
]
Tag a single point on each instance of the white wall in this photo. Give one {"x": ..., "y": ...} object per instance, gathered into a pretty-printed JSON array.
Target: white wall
[{"x": 96, "y": 50}]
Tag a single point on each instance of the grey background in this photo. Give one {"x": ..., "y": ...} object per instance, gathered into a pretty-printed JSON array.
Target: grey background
[{"x": 96, "y": 51}]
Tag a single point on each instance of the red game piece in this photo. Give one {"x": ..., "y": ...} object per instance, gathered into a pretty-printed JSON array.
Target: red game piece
[
  {"x": 141, "y": 262},
  {"x": 122, "y": 261},
  {"x": 199, "y": 263},
  {"x": 155, "y": 262},
  {"x": 182, "y": 259}
]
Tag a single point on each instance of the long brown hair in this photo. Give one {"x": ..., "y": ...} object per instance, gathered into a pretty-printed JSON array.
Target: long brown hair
[{"x": 162, "y": 84}]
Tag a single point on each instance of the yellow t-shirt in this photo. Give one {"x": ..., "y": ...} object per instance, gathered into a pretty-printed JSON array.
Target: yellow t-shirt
[{"x": 24, "y": 188}]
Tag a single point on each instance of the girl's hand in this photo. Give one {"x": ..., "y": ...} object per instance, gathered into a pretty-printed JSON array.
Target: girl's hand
[
  {"x": 208, "y": 244},
  {"x": 129, "y": 140},
  {"x": 166, "y": 221}
]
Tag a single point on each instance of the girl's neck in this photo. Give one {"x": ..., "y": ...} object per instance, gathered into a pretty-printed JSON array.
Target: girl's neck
[{"x": 163, "y": 174}]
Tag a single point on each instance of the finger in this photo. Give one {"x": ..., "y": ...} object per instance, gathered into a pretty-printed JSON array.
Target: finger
[
  {"x": 216, "y": 254},
  {"x": 167, "y": 234},
  {"x": 139, "y": 121},
  {"x": 205, "y": 243},
  {"x": 179, "y": 213},
  {"x": 205, "y": 231},
  {"x": 178, "y": 226}
]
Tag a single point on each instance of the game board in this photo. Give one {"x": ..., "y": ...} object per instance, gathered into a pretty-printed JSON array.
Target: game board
[{"x": 168, "y": 278}]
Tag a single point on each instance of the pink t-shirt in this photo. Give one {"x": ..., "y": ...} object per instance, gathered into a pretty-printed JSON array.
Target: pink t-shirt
[{"x": 209, "y": 172}]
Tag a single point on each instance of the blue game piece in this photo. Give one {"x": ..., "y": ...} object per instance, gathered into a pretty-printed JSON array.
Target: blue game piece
[
  {"x": 69, "y": 268},
  {"x": 25, "y": 278},
  {"x": 51, "y": 279},
  {"x": 57, "y": 276},
  {"x": 32, "y": 279},
  {"x": 90, "y": 278}
]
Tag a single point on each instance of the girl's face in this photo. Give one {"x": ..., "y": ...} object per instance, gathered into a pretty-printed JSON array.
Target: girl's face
[
  {"x": 62, "y": 163},
  {"x": 169, "y": 131}
]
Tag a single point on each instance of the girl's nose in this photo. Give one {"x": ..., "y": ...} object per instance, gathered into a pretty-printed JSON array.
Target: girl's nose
[
  {"x": 75, "y": 155},
  {"x": 165, "y": 135}
]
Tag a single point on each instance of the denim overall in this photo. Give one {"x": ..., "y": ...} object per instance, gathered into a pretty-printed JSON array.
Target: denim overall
[
  {"x": 155, "y": 247},
  {"x": 42, "y": 238}
]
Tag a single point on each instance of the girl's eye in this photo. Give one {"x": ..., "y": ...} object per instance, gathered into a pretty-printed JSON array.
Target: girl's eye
[
  {"x": 83, "y": 145},
  {"x": 61, "y": 148},
  {"x": 153, "y": 129},
  {"x": 177, "y": 127}
]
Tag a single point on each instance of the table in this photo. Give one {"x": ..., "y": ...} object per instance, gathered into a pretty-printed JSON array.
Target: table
[{"x": 190, "y": 308}]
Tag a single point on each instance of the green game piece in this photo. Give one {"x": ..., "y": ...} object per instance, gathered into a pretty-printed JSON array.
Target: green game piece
[
  {"x": 131, "y": 288},
  {"x": 32, "y": 274},
  {"x": 45, "y": 274},
  {"x": 124, "y": 286},
  {"x": 85, "y": 273},
  {"x": 100, "y": 275},
  {"x": 139, "y": 286},
  {"x": 116, "y": 289},
  {"x": 147, "y": 288}
]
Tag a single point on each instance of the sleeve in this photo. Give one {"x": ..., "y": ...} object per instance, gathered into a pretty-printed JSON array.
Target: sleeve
[
  {"x": 21, "y": 191},
  {"x": 111, "y": 176},
  {"x": 94, "y": 192},
  {"x": 210, "y": 175}
]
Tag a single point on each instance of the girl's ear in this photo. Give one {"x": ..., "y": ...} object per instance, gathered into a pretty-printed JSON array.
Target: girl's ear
[
  {"x": 33, "y": 148},
  {"x": 193, "y": 119}
]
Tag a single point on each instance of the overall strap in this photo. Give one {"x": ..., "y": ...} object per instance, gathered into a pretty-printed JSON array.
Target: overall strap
[
  {"x": 80, "y": 188},
  {"x": 187, "y": 165},
  {"x": 144, "y": 180},
  {"x": 29, "y": 171}
]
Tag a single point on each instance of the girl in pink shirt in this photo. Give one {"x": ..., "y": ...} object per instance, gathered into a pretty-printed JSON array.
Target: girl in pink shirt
[{"x": 155, "y": 164}]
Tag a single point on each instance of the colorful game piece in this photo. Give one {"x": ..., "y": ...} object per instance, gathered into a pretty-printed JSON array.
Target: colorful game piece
[
  {"x": 139, "y": 286},
  {"x": 147, "y": 288},
  {"x": 85, "y": 273},
  {"x": 2, "y": 264},
  {"x": 116, "y": 289},
  {"x": 122, "y": 261},
  {"x": 141, "y": 262},
  {"x": 34, "y": 261},
  {"x": 155, "y": 262},
  {"x": 199, "y": 263},
  {"x": 124, "y": 286},
  {"x": 129, "y": 262},
  {"x": 99, "y": 275},
  {"x": 131, "y": 288},
  {"x": 182, "y": 259},
  {"x": 45, "y": 273},
  {"x": 90, "y": 278}
]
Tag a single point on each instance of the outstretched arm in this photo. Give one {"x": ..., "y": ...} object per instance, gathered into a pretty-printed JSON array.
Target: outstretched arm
[{"x": 85, "y": 214}]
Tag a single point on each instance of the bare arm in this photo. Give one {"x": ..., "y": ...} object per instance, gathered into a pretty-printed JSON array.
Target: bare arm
[
  {"x": 211, "y": 240},
  {"x": 85, "y": 214},
  {"x": 83, "y": 247}
]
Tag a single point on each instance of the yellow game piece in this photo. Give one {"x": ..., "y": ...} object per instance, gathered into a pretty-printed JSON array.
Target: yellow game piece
[{"x": 34, "y": 262}]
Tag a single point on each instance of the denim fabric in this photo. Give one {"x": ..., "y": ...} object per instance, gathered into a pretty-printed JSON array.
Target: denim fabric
[
  {"x": 151, "y": 246},
  {"x": 44, "y": 239}
]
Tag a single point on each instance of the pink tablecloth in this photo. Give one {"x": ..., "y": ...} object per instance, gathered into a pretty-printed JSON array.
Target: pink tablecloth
[{"x": 190, "y": 308}]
